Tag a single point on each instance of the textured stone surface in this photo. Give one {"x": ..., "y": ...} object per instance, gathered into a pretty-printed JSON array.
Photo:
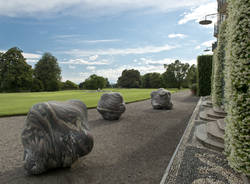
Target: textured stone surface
[
  {"x": 161, "y": 99},
  {"x": 55, "y": 135},
  {"x": 111, "y": 106}
]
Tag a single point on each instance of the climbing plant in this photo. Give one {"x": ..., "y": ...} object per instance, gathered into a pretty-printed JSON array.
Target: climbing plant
[
  {"x": 218, "y": 67},
  {"x": 237, "y": 79}
]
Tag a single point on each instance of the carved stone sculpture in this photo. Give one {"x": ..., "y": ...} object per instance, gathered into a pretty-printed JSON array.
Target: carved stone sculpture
[
  {"x": 55, "y": 135},
  {"x": 161, "y": 99},
  {"x": 111, "y": 106}
]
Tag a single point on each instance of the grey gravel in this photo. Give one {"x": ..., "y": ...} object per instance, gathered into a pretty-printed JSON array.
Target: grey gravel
[{"x": 134, "y": 149}]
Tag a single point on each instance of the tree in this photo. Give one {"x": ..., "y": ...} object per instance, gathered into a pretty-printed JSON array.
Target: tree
[
  {"x": 81, "y": 85},
  {"x": 191, "y": 75},
  {"x": 15, "y": 73},
  {"x": 175, "y": 74},
  {"x": 152, "y": 80},
  {"x": 108, "y": 85},
  {"x": 94, "y": 82},
  {"x": 130, "y": 79},
  {"x": 69, "y": 85},
  {"x": 37, "y": 85},
  {"x": 146, "y": 80},
  {"x": 48, "y": 72}
]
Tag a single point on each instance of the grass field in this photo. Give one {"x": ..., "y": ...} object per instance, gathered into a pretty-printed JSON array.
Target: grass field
[{"x": 20, "y": 103}]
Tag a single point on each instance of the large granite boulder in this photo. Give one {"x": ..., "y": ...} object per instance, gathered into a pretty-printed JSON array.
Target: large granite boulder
[
  {"x": 111, "y": 106},
  {"x": 55, "y": 135},
  {"x": 161, "y": 99}
]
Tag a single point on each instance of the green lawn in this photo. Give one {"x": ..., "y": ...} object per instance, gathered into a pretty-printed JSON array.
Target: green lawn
[{"x": 20, "y": 103}]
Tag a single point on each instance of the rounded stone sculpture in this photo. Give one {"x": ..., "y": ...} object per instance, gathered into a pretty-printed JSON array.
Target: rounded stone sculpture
[
  {"x": 55, "y": 135},
  {"x": 111, "y": 106},
  {"x": 161, "y": 99}
]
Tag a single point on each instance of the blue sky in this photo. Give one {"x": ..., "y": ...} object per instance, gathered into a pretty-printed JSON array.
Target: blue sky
[{"x": 104, "y": 37}]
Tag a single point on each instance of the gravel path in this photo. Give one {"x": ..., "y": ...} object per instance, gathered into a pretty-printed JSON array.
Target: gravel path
[{"x": 134, "y": 149}]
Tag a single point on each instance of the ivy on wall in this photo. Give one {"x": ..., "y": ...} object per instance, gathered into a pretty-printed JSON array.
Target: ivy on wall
[
  {"x": 218, "y": 67},
  {"x": 237, "y": 82}
]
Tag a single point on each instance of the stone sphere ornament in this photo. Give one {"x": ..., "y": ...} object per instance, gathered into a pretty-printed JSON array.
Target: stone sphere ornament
[
  {"x": 55, "y": 135},
  {"x": 161, "y": 99},
  {"x": 111, "y": 106}
]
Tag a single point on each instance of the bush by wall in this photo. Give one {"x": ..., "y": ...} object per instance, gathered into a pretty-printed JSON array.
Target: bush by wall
[
  {"x": 218, "y": 67},
  {"x": 204, "y": 71},
  {"x": 237, "y": 73}
]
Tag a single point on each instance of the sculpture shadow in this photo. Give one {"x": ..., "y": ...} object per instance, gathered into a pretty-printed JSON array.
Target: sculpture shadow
[
  {"x": 155, "y": 111},
  {"x": 102, "y": 122},
  {"x": 58, "y": 175}
]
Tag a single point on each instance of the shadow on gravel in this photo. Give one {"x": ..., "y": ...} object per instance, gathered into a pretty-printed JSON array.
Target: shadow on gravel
[
  {"x": 102, "y": 122},
  {"x": 57, "y": 176}
]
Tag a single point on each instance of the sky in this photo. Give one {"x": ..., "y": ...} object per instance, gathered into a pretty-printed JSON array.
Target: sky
[{"x": 104, "y": 37}]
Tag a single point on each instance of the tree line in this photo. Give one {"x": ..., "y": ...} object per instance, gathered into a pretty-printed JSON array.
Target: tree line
[
  {"x": 17, "y": 75},
  {"x": 177, "y": 75}
]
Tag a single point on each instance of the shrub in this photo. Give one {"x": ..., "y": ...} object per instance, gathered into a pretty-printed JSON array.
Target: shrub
[
  {"x": 129, "y": 79},
  {"x": 237, "y": 73},
  {"x": 204, "y": 71},
  {"x": 218, "y": 67},
  {"x": 94, "y": 82},
  {"x": 37, "y": 85},
  {"x": 68, "y": 85}
]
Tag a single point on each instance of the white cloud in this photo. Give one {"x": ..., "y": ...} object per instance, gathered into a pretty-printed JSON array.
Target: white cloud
[
  {"x": 114, "y": 73},
  {"x": 85, "y": 62},
  {"x": 200, "y": 12},
  {"x": 147, "y": 66},
  {"x": 17, "y": 8},
  {"x": 208, "y": 43},
  {"x": 99, "y": 41},
  {"x": 166, "y": 61},
  {"x": 177, "y": 36},
  {"x": 71, "y": 67},
  {"x": 76, "y": 80},
  {"x": 111, "y": 51},
  {"x": 67, "y": 36},
  {"x": 197, "y": 47},
  {"x": 30, "y": 57},
  {"x": 77, "y": 39},
  {"x": 92, "y": 68},
  {"x": 93, "y": 58}
]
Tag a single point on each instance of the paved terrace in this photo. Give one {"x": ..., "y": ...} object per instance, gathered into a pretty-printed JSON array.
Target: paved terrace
[{"x": 135, "y": 149}]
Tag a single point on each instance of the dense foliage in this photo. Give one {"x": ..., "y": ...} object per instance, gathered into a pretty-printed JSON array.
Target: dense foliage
[
  {"x": 68, "y": 85},
  {"x": 204, "y": 71},
  {"x": 191, "y": 75},
  {"x": 15, "y": 73},
  {"x": 175, "y": 74},
  {"x": 48, "y": 72},
  {"x": 130, "y": 79},
  {"x": 152, "y": 80},
  {"x": 94, "y": 82},
  {"x": 237, "y": 90},
  {"x": 218, "y": 67}
]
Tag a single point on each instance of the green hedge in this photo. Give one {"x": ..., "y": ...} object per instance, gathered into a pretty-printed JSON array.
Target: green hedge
[
  {"x": 204, "y": 71},
  {"x": 237, "y": 73},
  {"x": 218, "y": 67}
]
